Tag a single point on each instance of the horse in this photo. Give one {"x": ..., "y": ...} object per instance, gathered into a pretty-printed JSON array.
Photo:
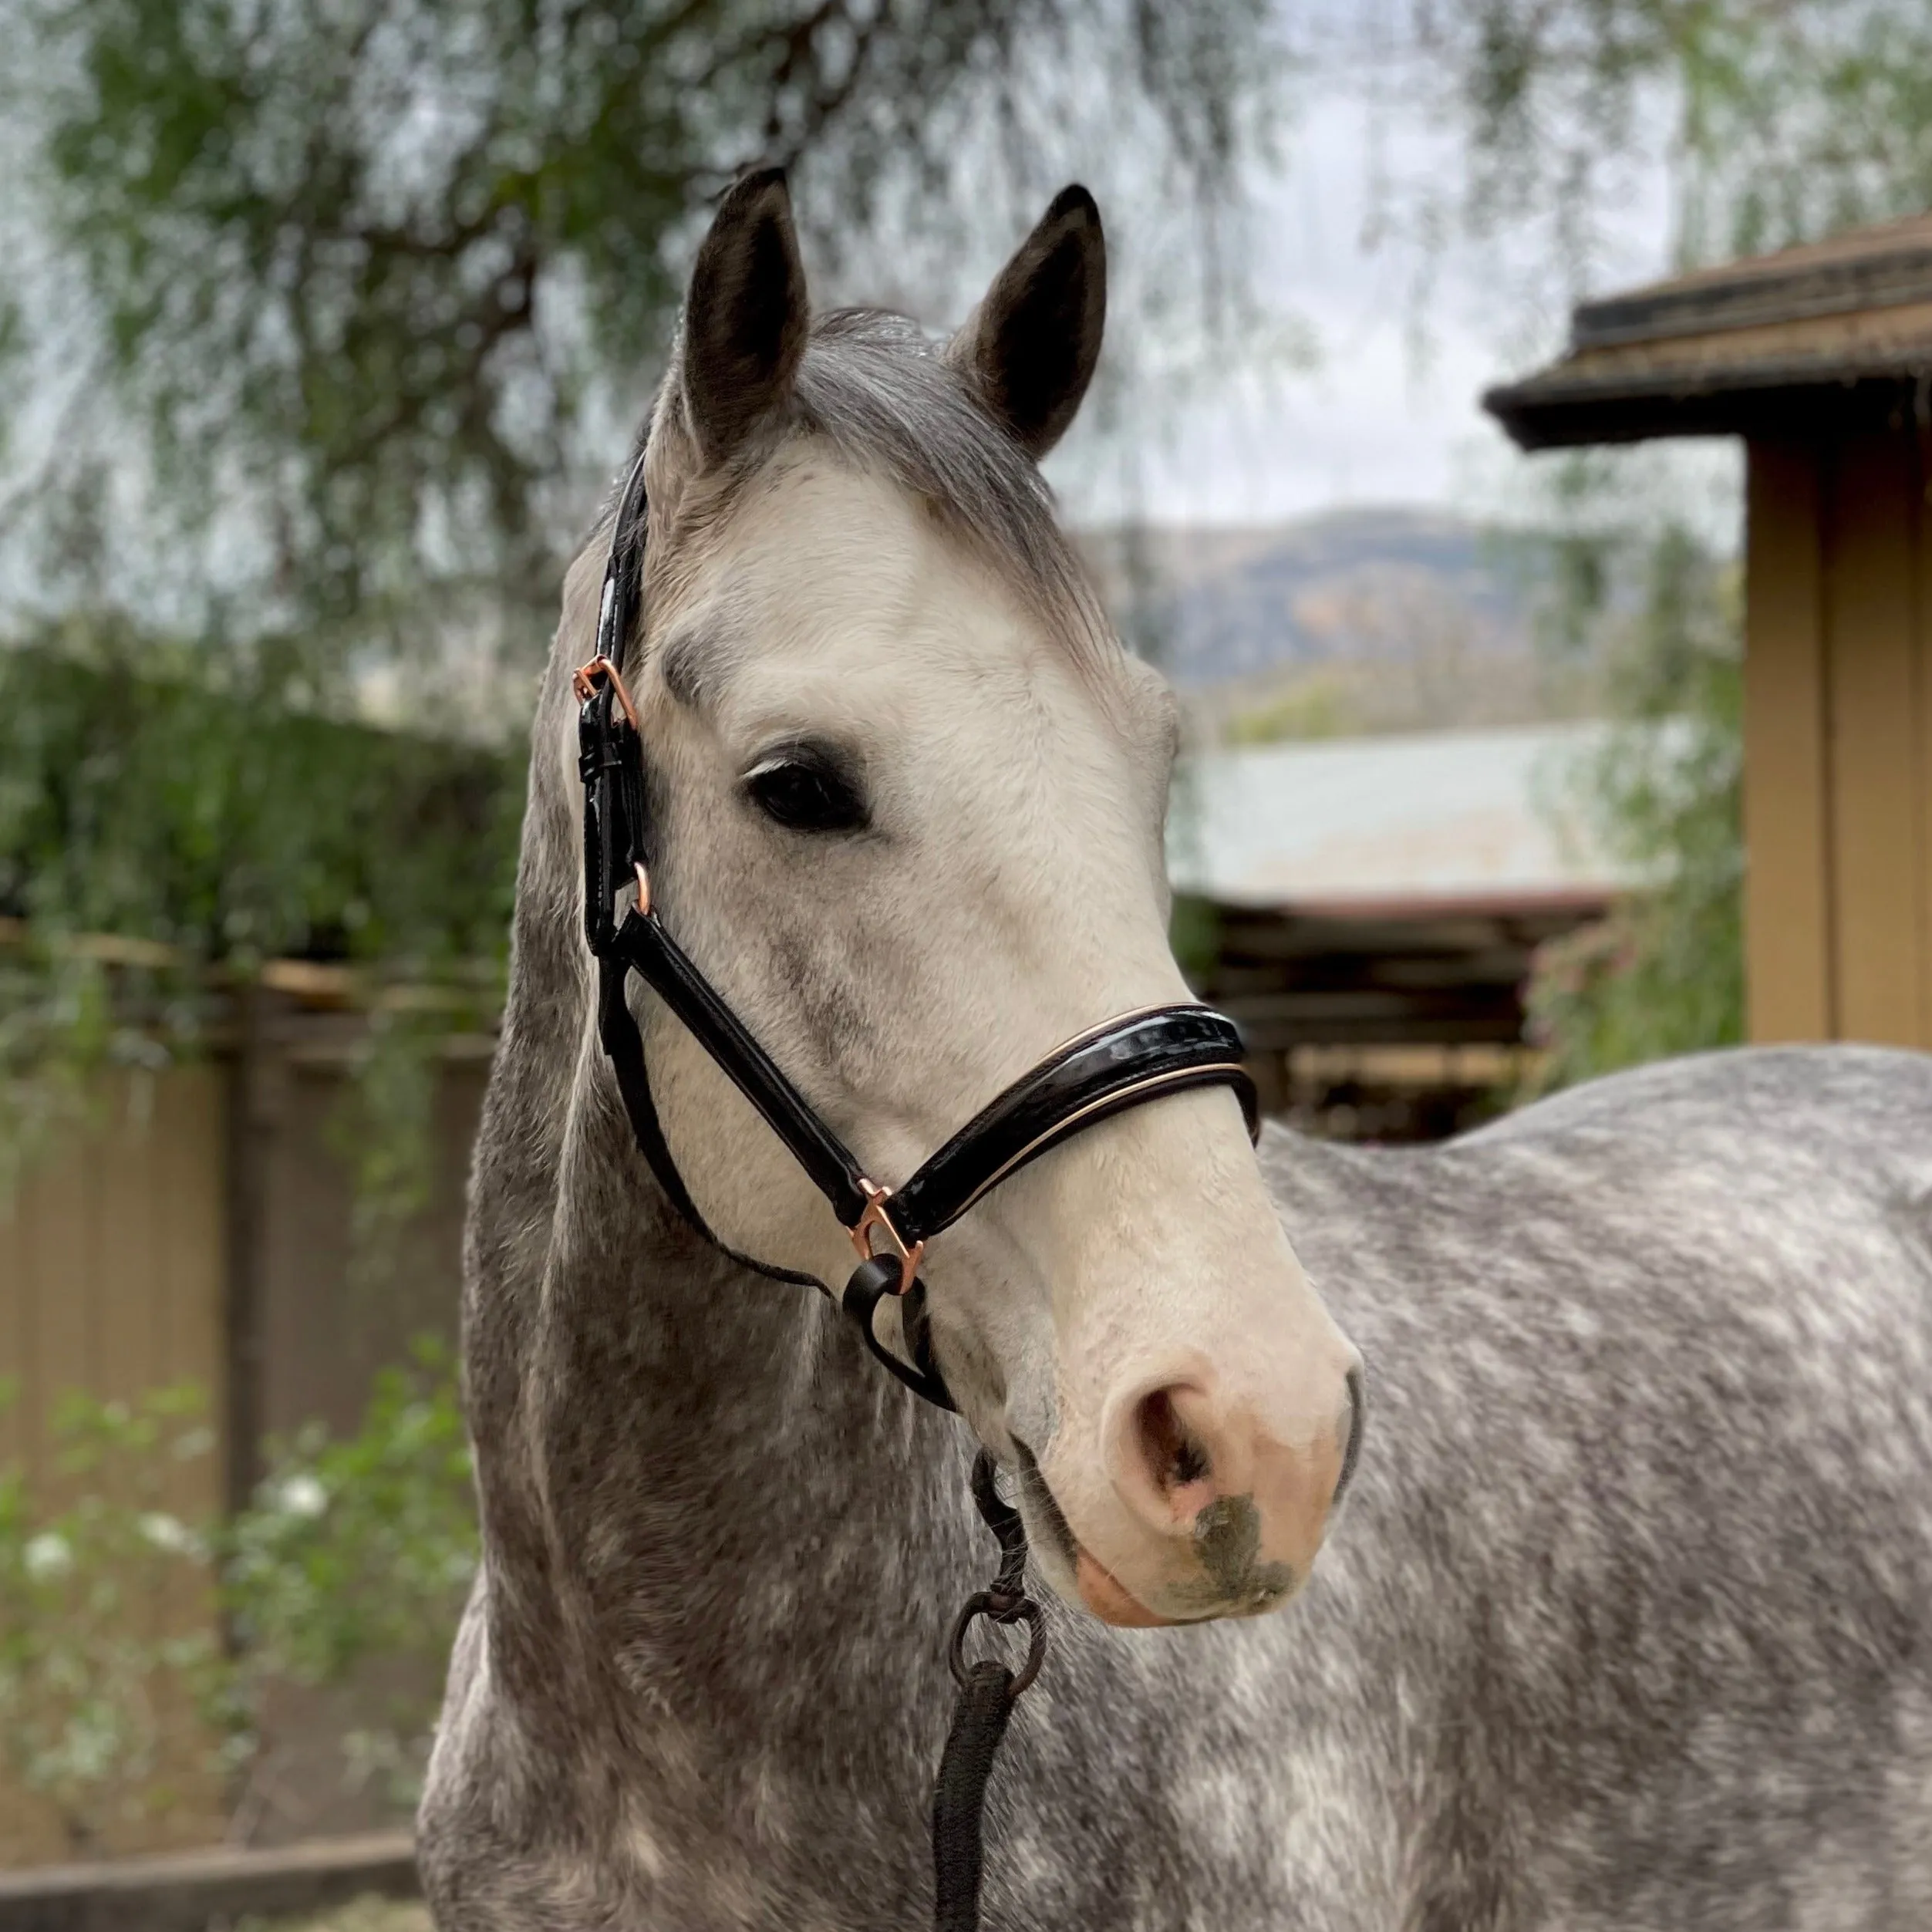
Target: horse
[{"x": 1620, "y": 1616}]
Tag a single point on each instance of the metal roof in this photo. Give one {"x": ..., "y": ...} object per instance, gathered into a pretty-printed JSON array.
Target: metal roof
[
  {"x": 1836, "y": 326},
  {"x": 1399, "y": 826}
]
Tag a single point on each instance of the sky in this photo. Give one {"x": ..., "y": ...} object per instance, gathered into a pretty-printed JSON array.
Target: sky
[{"x": 1390, "y": 411}]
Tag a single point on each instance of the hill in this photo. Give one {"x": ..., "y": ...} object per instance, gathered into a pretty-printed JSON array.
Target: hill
[{"x": 1354, "y": 620}]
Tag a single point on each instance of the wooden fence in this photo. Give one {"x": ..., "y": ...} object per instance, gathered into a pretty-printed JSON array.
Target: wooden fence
[
  {"x": 199, "y": 1230},
  {"x": 113, "y": 1266},
  {"x": 113, "y": 1278}
]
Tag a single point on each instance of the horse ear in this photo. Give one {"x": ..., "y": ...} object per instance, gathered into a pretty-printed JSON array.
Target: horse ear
[
  {"x": 1029, "y": 349},
  {"x": 745, "y": 317}
]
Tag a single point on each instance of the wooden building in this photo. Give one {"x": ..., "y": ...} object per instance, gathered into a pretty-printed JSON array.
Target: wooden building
[
  {"x": 1370, "y": 909},
  {"x": 1820, "y": 358}
]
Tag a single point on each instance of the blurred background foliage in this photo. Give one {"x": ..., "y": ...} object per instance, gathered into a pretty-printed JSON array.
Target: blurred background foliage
[
  {"x": 141, "y": 793},
  {"x": 376, "y": 288},
  {"x": 104, "y": 1666},
  {"x": 169, "y": 821},
  {"x": 1665, "y": 973},
  {"x": 120, "y": 1696}
]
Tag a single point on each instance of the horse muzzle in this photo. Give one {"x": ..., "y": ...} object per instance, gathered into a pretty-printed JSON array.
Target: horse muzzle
[{"x": 1216, "y": 1504}]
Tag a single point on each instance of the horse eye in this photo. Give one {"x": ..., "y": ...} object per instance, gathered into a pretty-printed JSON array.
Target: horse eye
[{"x": 805, "y": 790}]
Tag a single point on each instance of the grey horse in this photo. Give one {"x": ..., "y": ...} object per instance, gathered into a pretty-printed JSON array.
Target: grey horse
[{"x": 1627, "y": 1620}]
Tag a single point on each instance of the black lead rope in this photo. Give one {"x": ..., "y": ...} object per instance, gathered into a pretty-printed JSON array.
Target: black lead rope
[
  {"x": 988, "y": 1691},
  {"x": 1124, "y": 1062}
]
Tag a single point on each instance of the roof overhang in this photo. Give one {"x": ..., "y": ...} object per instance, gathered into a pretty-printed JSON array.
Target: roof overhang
[{"x": 1836, "y": 333}]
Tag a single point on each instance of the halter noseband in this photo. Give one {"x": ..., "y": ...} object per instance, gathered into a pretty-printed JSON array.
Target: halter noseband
[{"x": 1124, "y": 1062}]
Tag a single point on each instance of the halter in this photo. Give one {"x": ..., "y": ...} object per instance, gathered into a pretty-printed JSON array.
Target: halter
[{"x": 1124, "y": 1062}]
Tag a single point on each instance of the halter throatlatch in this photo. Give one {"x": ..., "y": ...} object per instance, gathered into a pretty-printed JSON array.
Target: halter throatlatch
[{"x": 1124, "y": 1062}]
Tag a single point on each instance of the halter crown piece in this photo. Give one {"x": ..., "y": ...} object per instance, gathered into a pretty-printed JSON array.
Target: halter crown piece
[{"x": 1124, "y": 1062}]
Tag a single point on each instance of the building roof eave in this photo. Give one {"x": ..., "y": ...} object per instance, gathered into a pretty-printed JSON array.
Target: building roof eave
[{"x": 1841, "y": 329}]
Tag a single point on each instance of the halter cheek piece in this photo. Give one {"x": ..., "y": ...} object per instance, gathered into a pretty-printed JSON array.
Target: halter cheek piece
[{"x": 1124, "y": 1062}]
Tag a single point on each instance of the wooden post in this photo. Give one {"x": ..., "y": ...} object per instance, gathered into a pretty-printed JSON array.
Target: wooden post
[
  {"x": 254, "y": 1114},
  {"x": 1878, "y": 867},
  {"x": 1788, "y": 952},
  {"x": 1921, "y": 482}
]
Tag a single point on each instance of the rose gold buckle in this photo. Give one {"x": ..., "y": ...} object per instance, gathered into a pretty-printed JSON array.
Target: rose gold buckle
[
  {"x": 583, "y": 681},
  {"x": 876, "y": 1216}
]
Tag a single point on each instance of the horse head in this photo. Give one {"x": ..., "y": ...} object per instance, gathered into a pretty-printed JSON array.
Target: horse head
[{"x": 908, "y": 794}]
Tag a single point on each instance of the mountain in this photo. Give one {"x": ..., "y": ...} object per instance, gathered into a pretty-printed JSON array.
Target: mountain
[
  {"x": 1351, "y": 623},
  {"x": 1212, "y": 605}
]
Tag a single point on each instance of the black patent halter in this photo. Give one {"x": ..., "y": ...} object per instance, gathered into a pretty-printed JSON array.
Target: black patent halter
[{"x": 1123, "y": 1062}]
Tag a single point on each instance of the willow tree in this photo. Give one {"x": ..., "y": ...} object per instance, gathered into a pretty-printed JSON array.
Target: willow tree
[{"x": 369, "y": 289}]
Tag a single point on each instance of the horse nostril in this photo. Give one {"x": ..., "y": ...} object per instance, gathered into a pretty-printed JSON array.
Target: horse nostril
[
  {"x": 1173, "y": 1454},
  {"x": 1354, "y": 1422}
]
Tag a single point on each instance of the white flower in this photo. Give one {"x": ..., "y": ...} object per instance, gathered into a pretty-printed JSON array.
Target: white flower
[
  {"x": 302, "y": 1495},
  {"x": 169, "y": 1533},
  {"x": 48, "y": 1555}
]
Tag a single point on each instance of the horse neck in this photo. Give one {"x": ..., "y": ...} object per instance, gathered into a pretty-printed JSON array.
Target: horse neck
[{"x": 670, "y": 1449}]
